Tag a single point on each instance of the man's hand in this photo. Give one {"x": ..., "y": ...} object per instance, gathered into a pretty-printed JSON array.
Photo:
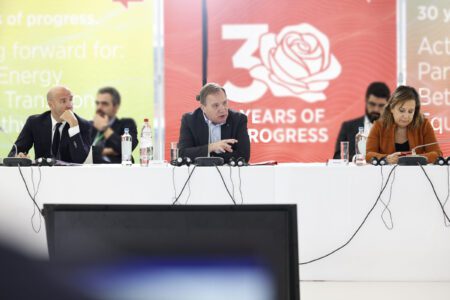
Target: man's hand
[
  {"x": 70, "y": 118},
  {"x": 101, "y": 122},
  {"x": 222, "y": 146},
  {"x": 22, "y": 155},
  {"x": 393, "y": 158}
]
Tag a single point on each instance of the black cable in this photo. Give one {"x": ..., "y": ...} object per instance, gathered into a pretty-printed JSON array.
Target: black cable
[
  {"x": 231, "y": 179},
  {"x": 32, "y": 198},
  {"x": 173, "y": 183},
  {"x": 184, "y": 186},
  {"x": 437, "y": 197},
  {"x": 226, "y": 187},
  {"x": 189, "y": 187},
  {"x": 359, "y": 227},
  {"x": 26, "y": 186},
  {"x": 386, "y": 205},
  {"x": 447, "y": 224},
  {"x": 36, "y": 191},
  {"x": 240, "y": 185}
]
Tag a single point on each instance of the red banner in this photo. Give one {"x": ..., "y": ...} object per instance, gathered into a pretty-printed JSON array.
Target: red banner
[{"x": 297, "y": 69}]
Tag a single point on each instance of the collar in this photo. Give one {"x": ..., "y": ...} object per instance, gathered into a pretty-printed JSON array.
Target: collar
[
  {"x": 54, "y": 122},
  {"x": 111, "y": 121}
]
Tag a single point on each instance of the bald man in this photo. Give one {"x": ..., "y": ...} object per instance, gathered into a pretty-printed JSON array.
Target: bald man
[{"x": 58, "y": 133}]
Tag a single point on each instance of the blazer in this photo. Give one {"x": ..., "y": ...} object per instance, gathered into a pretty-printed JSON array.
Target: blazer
[
  {"x": 381, "y": 141},
  {"x": 114, "y": 141},
  {"x": 348, "y": 131},
  {"x": 194, "y": 133},
  {"x": 37, "y": 132}
]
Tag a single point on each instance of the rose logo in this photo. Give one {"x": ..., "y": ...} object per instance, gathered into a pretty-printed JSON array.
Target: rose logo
[{"x": 296, "y": 63}]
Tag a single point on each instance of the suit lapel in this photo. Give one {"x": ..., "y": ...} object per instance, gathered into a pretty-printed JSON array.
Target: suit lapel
[
  {"x": 412, "y": 139},
  {"x": 390, "y": 138},
  {"x": 47, "y": 135},
  {"x": 116, "y": 126},
  {"x": 225, "y": 130},
  {"x": 203, "y": 133}
]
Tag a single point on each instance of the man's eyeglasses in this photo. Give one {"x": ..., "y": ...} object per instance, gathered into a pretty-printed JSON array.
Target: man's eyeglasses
[{"x": 373, "y": 104}]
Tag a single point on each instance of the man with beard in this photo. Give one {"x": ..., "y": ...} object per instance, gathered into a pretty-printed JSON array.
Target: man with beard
[
  {"x": 377, "y": 95},
  {"x": 108, "y": 129},
  {"x": 213, "y": 128}
]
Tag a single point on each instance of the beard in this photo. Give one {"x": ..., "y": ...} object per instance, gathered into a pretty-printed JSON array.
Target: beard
[
  {"x": 372, "y": 116},
  {"x": 100, "y": 112}
]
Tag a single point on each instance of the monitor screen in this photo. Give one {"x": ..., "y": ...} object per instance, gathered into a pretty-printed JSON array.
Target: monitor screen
[{"x": 177, "y": 252}]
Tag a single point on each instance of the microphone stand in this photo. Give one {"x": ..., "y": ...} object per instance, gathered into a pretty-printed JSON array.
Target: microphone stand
[
  {"x": 208, "y": 161},
  {"x": 415, "y": 159},
  {"x": 15, "y": 161}
]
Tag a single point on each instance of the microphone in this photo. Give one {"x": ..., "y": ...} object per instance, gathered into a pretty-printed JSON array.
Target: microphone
[
  {"x": 209, "y": 161},
  {"x": 15, "y": 161},
  {"x": 414, "y": 159}
]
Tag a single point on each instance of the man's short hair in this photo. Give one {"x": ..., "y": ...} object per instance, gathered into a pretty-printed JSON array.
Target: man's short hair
[
  {"x": 379, "y": 90},
  {"x": 113, "y": 92},
  {"x": 209, "y": 89}
]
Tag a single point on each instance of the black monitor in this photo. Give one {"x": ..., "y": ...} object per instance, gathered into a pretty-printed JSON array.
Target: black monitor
[{"x": 177, "y": 252}]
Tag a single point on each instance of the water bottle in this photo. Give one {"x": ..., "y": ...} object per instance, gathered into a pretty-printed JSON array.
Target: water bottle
[
  {"x": 146, "y": 147},
  {"x": 360, "y": 147},
  {"x": 126, "y": 148}
]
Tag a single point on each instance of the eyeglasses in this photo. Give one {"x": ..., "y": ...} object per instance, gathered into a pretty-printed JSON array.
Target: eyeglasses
[
  {"x": 102, "y": 103},
  {"x": 373, "y": 104}
]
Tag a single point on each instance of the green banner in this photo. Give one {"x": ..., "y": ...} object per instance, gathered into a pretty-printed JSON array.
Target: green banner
[{"x": 81, "y": 44}]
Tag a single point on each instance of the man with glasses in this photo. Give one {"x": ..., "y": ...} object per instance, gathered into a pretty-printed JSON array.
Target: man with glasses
[
  {"x": 213, "y": 128},
  {"x": 108, "y": 129},
  {"x": 377, "y": 95}
]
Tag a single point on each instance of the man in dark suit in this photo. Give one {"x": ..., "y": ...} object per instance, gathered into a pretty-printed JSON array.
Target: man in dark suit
[
  {"x": 107, "y": 128},
  {"x": 213, "y": 128},
  {"x": 377, "y": 95},
  {"x": 58, "y": 133}
]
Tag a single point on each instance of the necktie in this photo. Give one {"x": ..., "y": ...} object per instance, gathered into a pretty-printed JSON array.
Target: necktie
[{"x": 56, "y": 140}]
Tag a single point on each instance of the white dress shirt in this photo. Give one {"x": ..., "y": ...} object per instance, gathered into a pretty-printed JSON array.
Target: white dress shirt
[
  {"x": 367, "y": 126},
  {"x": 214, "y": 132},
  {"x": 72, "y": 130}
]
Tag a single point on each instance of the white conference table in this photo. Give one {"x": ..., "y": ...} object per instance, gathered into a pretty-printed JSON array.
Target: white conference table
[{"x": 332, "y": 202}]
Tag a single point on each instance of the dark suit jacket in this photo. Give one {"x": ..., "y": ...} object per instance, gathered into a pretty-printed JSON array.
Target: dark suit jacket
[
  {"x": 348, "y": 131},
  {"x": 37, "y": 132},
  {"x": 114, "y": 141},
  {"x": 194, "y": 134}
]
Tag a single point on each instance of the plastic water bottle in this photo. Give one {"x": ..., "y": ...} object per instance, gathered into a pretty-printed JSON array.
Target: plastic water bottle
[
  {"x": 126, "y": 148},
  {"x": 146, "y": 147},
  {"x": 360, "y": 147}
]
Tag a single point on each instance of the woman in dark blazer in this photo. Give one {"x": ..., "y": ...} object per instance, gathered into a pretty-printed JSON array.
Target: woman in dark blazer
[{"x": 401, "y": 128}]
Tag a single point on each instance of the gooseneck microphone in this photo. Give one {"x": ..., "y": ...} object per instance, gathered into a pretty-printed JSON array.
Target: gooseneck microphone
[
  {"x": 209, "y": 161},
  {"x": 414, "y": 159},
  {"x": 15, "y": 161}
]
